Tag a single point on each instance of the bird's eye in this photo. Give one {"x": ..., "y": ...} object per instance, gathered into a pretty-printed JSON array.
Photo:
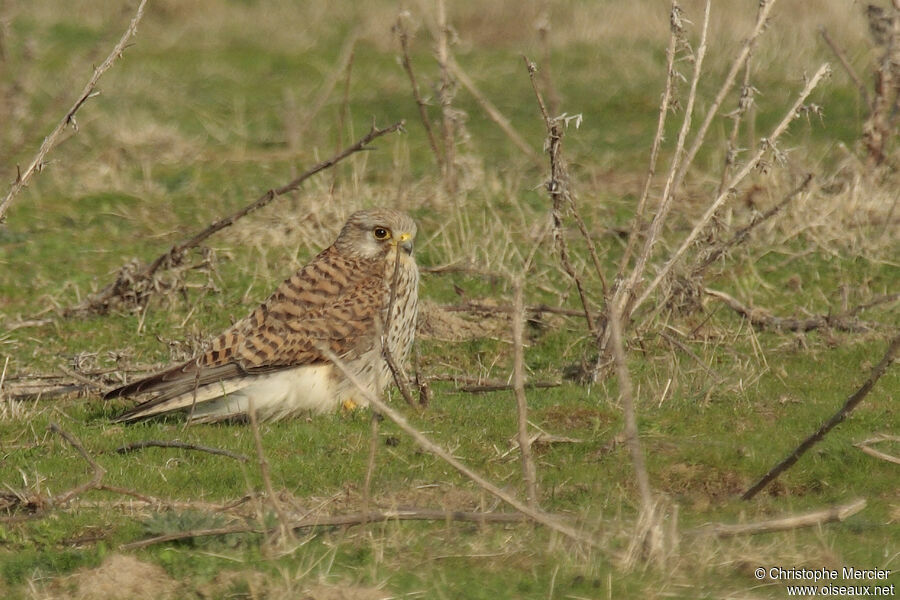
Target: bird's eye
[{"x": 381, "y": 233}]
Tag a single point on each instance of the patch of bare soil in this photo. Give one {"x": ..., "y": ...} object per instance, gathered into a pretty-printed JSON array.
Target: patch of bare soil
[
  {"x": 120, "y": 577},
  {"x": 343, "y": 592},
  {"x": 437, "y": 323}
]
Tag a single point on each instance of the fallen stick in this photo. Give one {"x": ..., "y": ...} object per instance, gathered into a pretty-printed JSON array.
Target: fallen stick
[
  {"x": 95, "y": 481},
  {"x": 819, "y": 517},
  {"x": 181, "y": 445},
  {"x": 851, "y": 403},
  {"x": 339, "y": 521},
  {"x": 881, "y": 437},
  {"x": 763, "y": 319}
]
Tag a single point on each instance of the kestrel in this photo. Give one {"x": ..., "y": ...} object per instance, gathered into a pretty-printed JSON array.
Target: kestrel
[{"x": 273, "y": 358}]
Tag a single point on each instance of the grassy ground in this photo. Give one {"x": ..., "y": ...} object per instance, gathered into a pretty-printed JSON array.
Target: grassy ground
[{"x": 217, "y": 102}]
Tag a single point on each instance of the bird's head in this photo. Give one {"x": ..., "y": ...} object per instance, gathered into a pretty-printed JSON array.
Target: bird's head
[{"x": 376, "y": 233}]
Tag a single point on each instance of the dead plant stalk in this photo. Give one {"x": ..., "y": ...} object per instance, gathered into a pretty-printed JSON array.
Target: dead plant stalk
[{"x": 529, "y": 473}]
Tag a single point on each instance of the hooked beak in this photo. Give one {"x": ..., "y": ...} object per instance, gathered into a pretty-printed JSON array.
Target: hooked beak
[{"x": 406, "y": 242}]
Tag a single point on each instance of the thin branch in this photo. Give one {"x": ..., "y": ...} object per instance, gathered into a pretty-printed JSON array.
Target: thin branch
[
  {"x": 345, "y": 57},
  {"x": 537, "y": 309},
  {"x": 842, "y": 58},
  {"x": 675, "y": 32},
  {"x": 445, "y": 94},
  {"x": 832, "y": 514},
  {"x": 763, "y": 319},
  {"x": 518, "y": 325},
  {"x": 494, "y": 113},
  {"x": 762, "y": 17},
  {"x": 95, "y": 481},
  {"x": 851, "y": 403},
  {"x": 551, "y": 521},
  {"x": 37, "y": 164},
  {"x": 557, "y": 189},
  {"x": 881, "y": 437},
  {"x": 133, "y": 446},
  {"x": 741, "y": 235},
  {"x": 102, "y": 299},
  {"x": 403, "y": 35},
  {"x": 626, "y": 392},
  {"x": 339, "y": 521}
]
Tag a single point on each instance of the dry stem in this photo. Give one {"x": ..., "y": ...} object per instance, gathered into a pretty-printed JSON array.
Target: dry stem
[
  {"x": 811, "y": 519},
  {"x": 37, "y": 164},
  {"x": 763, "y": 319},
  {"x": 671, "y": 184},
  {"x": 445, "y": 94},
  {"x": 851, "y": 403},
  {"x": 558, "y": 189},
  {"x": 95, "y": 481},
  {"x": 494, "y": 113},
  {"x": 181, "y": 445},
  {"x": 518, "y": 323},
  {"x": 631, "y": 430},
  {"x": 403, "y": 35},
  {"x": 339, "y": 521},
  {"x": 842, "y": 57},
  {"x": 637, "y": 226}
]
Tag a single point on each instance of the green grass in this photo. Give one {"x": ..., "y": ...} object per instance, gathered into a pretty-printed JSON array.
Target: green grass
[{"x": 197, "y": 120}]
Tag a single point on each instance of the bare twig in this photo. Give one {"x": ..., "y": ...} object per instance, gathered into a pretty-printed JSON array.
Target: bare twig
[
  {"x": 491, "y": 385},
  {"x": 286, "y": 532},
  {"x": 494, "y": 113},
  {"x": 631, "y": 431},
  {"x": 518, "y": 324},
  {"x": 133, "y": 446},
  {"x": 95, "y": 481},
  {"x": 118, "y": 289},
  {"x": 851, "y": 403},
  {"x": 763, "y": 319},
  {"x": 37, "y": 164},
  {"x": 881, "y": 437},
  {"x": 340, "y": 521},
  {"x": 478, "y": 307},
  {"x": 445, "y": 95},
  {"x": 744, "y": 104},
  {"x": 345, "y": 57},
  {"x": 675, "y": 32},
  {"x": 842, "y": 57},
  {"x": 557, "y": 187},
  {"x": 741, "y": 235},
  {"x": 811, "y": 519},
  {"x": 548, "y": 520},
  {"x": 403, "y": 35}
]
